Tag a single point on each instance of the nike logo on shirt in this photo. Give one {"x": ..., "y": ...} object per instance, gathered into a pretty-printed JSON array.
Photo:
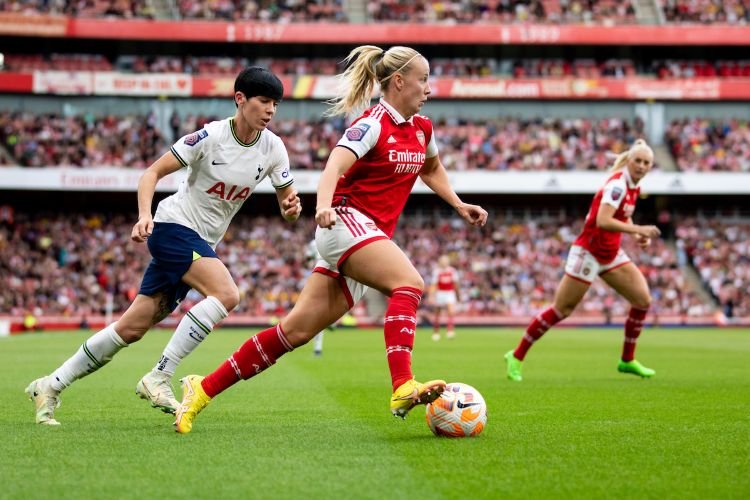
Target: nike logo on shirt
[{"x": 218, "y": 162}]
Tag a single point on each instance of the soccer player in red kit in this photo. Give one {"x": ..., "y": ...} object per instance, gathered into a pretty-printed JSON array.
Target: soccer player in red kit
[
  {"x": 597, "y": 252},
  {"x": 444, "y": 295},
  {"x": 361, "y": 194}
]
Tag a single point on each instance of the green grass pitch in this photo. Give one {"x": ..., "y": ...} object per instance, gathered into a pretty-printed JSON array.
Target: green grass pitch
[{"x": 320, "y": 427}]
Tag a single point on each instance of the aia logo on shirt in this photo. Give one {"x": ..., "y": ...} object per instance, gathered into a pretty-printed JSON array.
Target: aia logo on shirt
[{"x": 234, "y": 193}]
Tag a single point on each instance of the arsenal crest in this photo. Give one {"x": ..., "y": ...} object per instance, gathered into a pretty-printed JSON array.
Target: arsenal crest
[{"x": 420, "y": 137}]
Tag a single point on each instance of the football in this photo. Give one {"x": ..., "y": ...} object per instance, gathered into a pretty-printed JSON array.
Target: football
[{"x": 459, "y": 412}]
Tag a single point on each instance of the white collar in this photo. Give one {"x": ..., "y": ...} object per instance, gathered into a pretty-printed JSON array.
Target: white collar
[
  {"x": 628, "y": 179},
  {"x": 394, "y": 114}
]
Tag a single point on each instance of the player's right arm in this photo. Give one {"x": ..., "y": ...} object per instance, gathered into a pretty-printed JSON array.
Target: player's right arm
[
  {"x": 357, "y": 140},
  {"x": 340, "y": 160},
  {"x": 612, "y": 197},
  {"x": 162, "y": 167}
]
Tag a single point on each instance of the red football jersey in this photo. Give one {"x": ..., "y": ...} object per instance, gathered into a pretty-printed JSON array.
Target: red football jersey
[
  {"x": 445, "y": 279},
  {"x": 390, "y": 154},
  {"x": 620, "y": 192}
]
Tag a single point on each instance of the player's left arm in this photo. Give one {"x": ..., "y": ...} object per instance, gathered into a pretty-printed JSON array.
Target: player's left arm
[
  {"x": 289, "y": 203},
  {"x": 642, "y": 241},
  {"x": 434, "y": 175},
  {"x": 605, "y": 219}
]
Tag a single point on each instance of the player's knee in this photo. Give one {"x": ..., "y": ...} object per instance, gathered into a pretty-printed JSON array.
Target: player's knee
[
  {"x": 131, "y": 332},
  {"x": 642, "y": 302},
  {"x": 565, "y": 310},
  {"x": 415, "y": 281},
  {"x": 298, "y": 336},
  {"x": 229, "y": 297}
]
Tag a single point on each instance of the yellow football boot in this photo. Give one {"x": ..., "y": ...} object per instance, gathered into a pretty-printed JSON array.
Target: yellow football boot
[
  {"x": 194, "y": 399},
  {"x": 412, "y": 393}
]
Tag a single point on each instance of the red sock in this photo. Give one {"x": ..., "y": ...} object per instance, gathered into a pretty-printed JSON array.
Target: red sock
[
  {"x": 255, "y": 355},
  {"x": 449, "y": 324},
  {"x": 542, "y": 322},
  {"x": 400, "y": 325},
  {"x": 633, "y": 327}
]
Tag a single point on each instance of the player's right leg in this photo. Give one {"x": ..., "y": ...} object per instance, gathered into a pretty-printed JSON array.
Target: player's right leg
[
  {"x": 321, "y": 303},
  {"x": 96, "y": 351},
  {"x": 403, "y": 284},
  {"x": 569, "y": 294}
]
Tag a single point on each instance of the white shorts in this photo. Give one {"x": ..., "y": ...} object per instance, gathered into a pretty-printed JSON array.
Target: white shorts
[
  {"x": 445, "y": 297},
  {"x": 583, "y": 266},
  {"x": 352, "y": 231}
]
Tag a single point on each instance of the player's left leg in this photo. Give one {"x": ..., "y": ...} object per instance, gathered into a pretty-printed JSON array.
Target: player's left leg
[
  {"x": 628, "y": 281},
  {"x": 211, "y": 278},
  {"x": 403, "y": 284}
]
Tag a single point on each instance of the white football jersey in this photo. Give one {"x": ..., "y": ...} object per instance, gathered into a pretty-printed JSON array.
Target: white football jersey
[{"x": 222, "y": 173}]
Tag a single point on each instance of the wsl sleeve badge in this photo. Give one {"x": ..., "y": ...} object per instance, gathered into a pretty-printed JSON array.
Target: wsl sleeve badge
[
  {"x": 195, "y": 137},
  {"x": 357, "y": 132}
]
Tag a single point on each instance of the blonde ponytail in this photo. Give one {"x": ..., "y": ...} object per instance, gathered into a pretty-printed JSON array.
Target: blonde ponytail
[
  {"x": 622, "y": 158},
  {"x": 366, "y": 66}
]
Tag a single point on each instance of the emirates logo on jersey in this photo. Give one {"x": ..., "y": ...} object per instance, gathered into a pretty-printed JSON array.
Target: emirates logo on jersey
[
  {"x": 407, "y": 162},
  {"x": 420, "y": 137}
]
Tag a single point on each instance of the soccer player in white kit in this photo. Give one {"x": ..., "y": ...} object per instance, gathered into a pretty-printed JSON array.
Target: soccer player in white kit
[{"x": 225, "y": 161}]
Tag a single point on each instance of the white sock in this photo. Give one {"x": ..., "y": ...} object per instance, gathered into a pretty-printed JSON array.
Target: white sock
[
  {"x": 96, "y": 352},
  {"x": 318, "y": 342},
  {"x": 192, "y": 330}
]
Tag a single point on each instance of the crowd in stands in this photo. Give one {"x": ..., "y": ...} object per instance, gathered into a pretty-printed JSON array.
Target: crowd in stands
[
  {"x": 284, "y": 11},
  {"x": 466, "y": 67},
  {"x": 502, "y": 144},
  {"x": 125, "y": 9},
  {"x": 707, "y": 11},
  {"x": 720, "y": 252},
  {"x": 505, "y": 143},
  {"x": 704, "y": 145},
  {"x": 607, "y": 12},
  {"x": 67, "y": 264},
  {"x": 36, "y": 140},
  {"x": 507, "y": 11},
  {"x": 700, "y": 69}
]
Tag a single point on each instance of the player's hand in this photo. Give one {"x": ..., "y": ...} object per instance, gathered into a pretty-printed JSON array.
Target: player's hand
[
  {"x": 473, "y": 214},
  {"x": 291, "y": 206},
  {"x": 642, "y": 241},
  {"x": 142, "y": 229},
  {"x": 325, "y": 217},
  {"x": 649, "y": 231}
]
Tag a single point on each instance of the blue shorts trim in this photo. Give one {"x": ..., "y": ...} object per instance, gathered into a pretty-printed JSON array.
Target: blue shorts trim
[{"x": 173, "y": 249}]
